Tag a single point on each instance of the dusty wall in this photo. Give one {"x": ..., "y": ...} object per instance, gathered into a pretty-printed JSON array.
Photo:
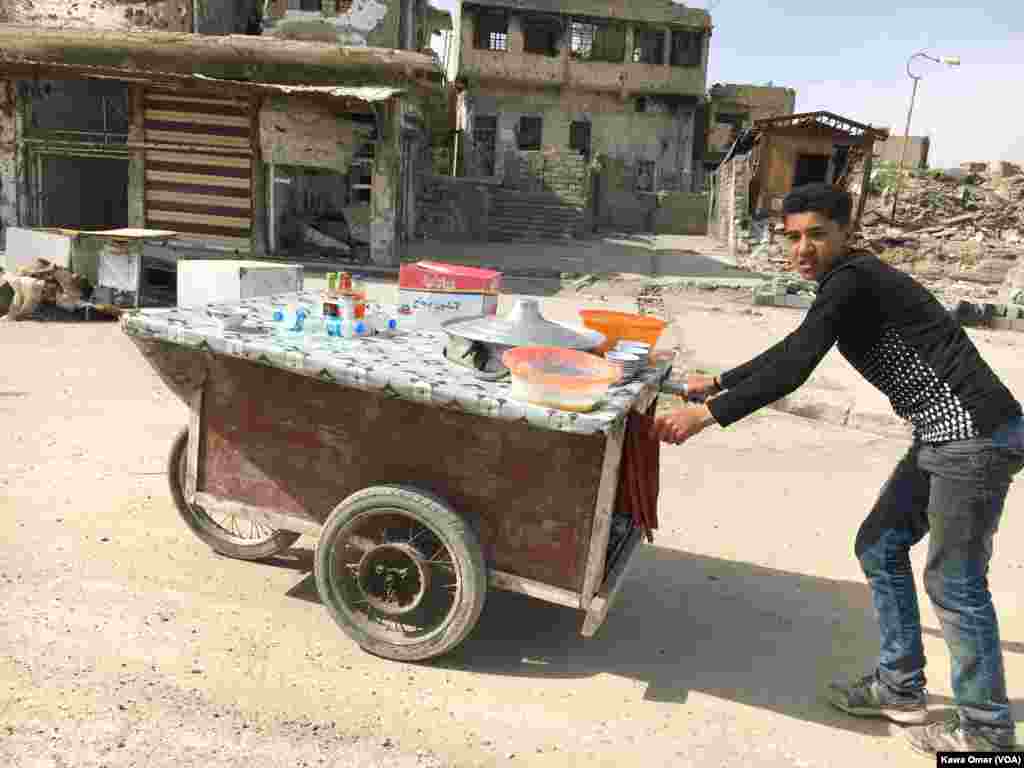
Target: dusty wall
[
  {"x": 453, "y": 209},
  {"x": 917, "y": 151},
  {"x": 168, "y": 15},
  {"x": 297, "y": 132},
  {"x": 8, "y": 159},
  {"x": 778, "y": 164},
  {"x": 616, "y": 131},
  {"x": 621, "y": 77},
  {"x": 356, "y": 23},
  {"x": 681, "y": 213},
  {"x": 745, "y": 104}
]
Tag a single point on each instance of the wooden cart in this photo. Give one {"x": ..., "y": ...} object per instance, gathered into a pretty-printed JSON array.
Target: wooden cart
[{"x": 418, "y": 509}]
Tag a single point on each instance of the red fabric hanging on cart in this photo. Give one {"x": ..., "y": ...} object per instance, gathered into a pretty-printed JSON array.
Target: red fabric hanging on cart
[{"x": 638, "y": 474}]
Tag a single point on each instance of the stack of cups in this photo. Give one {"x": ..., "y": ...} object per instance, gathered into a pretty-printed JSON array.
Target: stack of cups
[{"x": 631, "y": 357}]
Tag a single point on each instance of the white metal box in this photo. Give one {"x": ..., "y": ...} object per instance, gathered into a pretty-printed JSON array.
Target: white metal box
[{"x": 227, "y": 281}]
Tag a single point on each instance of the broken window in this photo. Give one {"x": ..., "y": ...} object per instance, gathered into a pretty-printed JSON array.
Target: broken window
[
  {"x": 492, "y": 31},
  {"x": 650, "y": 46},
  {"x": 645, "y": 176},
  {"x": 541, "y": 35},
  {"x": 81, "y": 192},
  {"x": 322, "y": 211},
  {"x": 810, "y": 169},
  {"x": 687, "y": 48},
  {"x": 579, "y": 137},
  {"x": 485, "y": 134},
  {"x": 94, "y": 111},
  {"x": 529, "y": 133},
  {"x": 597, "y": 41}
]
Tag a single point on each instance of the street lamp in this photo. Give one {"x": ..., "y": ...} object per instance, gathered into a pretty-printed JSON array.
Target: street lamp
[{"x": 949, "y": 61}]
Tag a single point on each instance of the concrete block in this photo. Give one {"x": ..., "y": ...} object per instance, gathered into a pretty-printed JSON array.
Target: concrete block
[{"x": 214, "y": 281}]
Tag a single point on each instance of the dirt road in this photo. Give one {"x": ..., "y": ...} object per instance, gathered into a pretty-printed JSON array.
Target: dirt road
[{"x": 125, "y": 642}]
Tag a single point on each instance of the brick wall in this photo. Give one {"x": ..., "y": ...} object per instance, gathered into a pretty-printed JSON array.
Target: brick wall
[{"x": 565, "y": 174}]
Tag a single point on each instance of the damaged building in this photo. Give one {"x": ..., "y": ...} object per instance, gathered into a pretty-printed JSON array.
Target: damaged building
[
  {"x": 238, "y": 161},
  {"x": 244, "y": 145},
  {"x": 732, "y": 108},
  {"x": 780, "y": 153},
  {"x": 595, "y": 104}
]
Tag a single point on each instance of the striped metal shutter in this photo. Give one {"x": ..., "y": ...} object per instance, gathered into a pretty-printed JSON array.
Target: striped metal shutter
[{"x": 200, "y": 185}]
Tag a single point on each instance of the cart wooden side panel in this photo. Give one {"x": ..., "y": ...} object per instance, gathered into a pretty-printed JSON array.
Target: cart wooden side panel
[{"x": 275, "y": 440}]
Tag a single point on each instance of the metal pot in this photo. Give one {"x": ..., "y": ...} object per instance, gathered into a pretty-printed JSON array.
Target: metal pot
[{"x": 479, "y": 342}]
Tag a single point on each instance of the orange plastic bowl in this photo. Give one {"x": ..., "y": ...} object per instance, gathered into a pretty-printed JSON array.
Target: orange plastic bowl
[
  {"x": 619, "y": 326},
  {"x": 566, "y": 379}
]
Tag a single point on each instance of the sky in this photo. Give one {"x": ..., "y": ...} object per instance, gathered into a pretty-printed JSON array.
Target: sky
[{"x": 850, "y": 58}]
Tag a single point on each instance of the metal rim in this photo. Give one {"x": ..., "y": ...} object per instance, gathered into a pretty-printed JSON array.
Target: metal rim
[
  {"x": 421, "y": 602},
  {"x": 227, "y": 527}
]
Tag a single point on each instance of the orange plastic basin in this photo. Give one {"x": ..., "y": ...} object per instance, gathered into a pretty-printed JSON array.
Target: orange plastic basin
[
  {"x": 565, "y": 379},
  {"x": 619, "y": 326}
]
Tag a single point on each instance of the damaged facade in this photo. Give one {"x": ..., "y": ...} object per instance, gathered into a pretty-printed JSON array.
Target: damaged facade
[
  {"x": 243, "y": 145},
  {"x": 406, "y": 24},
  {"x": 732, "y": 108},
  {"x": 778, "y": 154},
  {"x": 601, "y": 97}
]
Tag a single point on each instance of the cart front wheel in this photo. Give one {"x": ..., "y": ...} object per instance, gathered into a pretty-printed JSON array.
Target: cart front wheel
[
  {"x": 244, "y": 539},
  {"x": 401, "y": 572}
]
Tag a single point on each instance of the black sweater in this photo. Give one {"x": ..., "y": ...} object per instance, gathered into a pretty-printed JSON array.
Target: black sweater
[{"x": 899, "y": 337}]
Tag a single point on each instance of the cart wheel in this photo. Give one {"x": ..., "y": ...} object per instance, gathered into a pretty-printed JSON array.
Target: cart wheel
[
  {"x": 401, "y": 572},
  {"x": 229, "y": 536}
]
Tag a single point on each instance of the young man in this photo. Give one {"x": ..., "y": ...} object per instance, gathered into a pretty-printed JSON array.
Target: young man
[{"x": 968, "y": 444}]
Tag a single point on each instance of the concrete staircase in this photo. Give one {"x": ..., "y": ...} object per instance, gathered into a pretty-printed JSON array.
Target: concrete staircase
[{"x": 515, "y": 215}]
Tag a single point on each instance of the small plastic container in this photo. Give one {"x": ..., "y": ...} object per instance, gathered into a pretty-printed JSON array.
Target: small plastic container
[
  {"x": 565, "y": 379},
  {"x": 619, "y": 326}
]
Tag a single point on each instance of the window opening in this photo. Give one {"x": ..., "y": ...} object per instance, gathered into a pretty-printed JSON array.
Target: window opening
[
  {"x": 485, "y": 134},
  {"x": 579, "y": 137},
  {"x": 650, "y": 46},
  {"x": 591, "y": 41},
  {"x": 492, "y": 32},
  {"x": 530, "y": 130},
  {"x": 541, "y": 35},
  {"x": 687, "y": 48}
]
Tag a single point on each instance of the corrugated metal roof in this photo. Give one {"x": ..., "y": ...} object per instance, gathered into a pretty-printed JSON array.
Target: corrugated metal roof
[{"x": 369, "y": 93}]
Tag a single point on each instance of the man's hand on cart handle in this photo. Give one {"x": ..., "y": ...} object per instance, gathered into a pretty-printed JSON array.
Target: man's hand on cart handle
[{"x": 682, "y": 424}]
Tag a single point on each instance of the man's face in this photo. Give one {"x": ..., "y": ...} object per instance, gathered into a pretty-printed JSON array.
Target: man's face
[{"x": 816, "y": 242}]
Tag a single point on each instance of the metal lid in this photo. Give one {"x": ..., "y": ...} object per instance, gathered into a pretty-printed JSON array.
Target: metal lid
[{"x": 522, "y": 327}]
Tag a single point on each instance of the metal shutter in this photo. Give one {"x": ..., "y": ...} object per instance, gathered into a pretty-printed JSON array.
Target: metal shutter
[{"x": 201, "y": 185}]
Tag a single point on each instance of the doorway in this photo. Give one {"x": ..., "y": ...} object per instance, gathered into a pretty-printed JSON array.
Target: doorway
[{"x": 810, "y": 169}]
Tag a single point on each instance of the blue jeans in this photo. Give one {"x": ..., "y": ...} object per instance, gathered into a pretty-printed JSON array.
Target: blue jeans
[{"x": 955, "y": 491}]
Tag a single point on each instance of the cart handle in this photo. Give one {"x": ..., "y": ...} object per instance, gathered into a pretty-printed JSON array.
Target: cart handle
[{"x": 678, "y": 388}]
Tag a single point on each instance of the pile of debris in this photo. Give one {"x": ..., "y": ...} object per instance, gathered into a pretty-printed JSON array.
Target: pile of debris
[
  {"x": 41, "y": 282},
  {"x": 959, "y": 231}
]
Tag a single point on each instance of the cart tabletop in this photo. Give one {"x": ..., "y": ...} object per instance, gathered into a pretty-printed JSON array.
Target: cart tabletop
[{"x": 409, "y": 365}]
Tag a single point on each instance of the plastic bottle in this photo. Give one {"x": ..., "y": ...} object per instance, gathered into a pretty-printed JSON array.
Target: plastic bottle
[{"x": 333, "y": 325}]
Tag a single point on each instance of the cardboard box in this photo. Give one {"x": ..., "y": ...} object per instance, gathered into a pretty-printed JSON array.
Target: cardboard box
[
  {"x": 426, "y": 310},
  {"x": 431, "y": 292},
  {"x": 449, "y": 278},
  {"x": 228, "y": 281}
]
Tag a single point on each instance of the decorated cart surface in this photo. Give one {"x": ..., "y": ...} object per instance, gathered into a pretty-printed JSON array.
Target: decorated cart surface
[{"x": 424, "y": 484}]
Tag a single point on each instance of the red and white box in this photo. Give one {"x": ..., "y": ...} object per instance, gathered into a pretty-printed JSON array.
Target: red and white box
[
  {"x": 431, "y": 292},
  {"x": 448, "y": 278}
]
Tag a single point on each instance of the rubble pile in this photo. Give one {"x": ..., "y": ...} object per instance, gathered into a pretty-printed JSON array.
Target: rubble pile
[
  {"x": 959, "y": 232},
  {"x": 41, "y": 282}
]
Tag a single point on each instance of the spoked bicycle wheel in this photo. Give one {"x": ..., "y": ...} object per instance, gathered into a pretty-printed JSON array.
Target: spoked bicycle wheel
[
  {"x": 401, "y": 573},
  {"x": 225, "y": 533}
]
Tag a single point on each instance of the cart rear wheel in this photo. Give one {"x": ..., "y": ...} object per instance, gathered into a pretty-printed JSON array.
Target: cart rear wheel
[
  {"x": 401, "y": 573},
  {"x": 229, "y": 536}
]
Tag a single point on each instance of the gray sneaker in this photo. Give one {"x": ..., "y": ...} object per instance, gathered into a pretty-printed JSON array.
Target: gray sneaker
[
  {"x": 867, "y": 697},
  {"x": 952, "y": 736}
]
